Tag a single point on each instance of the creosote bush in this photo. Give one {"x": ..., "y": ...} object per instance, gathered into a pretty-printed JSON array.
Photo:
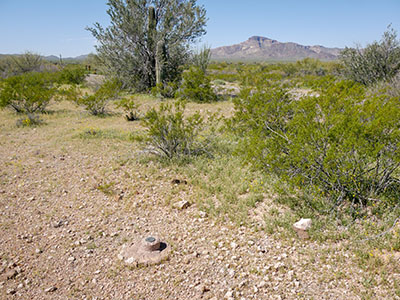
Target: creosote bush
[
  {"x": 171, "y": 134},
  {"x": 72, "y": 74},
  {"x": 27, "y": 93},
  {"x": 196, "y": 86},
  {"x": 130, "y": 108},
  {"x": 342, "y": 145},
  {"x": 96, "y": 103}
]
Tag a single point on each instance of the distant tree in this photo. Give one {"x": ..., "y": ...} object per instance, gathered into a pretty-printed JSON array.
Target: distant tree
[
  {"x": 377, "y": 61},
  {"x": 12, "y": 65},
  {"x": 148, "y": 40},
  {"x": 201, "y": 58}
]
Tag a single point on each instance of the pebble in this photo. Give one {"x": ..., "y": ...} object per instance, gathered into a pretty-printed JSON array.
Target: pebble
[
  {"x": 11, "y": 291},
  {"x": 229, "y": 295},
  {"x": 50, "y": 289},
  {"x": 11, "y": 274}
]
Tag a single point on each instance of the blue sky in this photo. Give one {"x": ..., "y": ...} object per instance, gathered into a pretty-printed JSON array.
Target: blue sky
[{"x": 58, "y": 26}]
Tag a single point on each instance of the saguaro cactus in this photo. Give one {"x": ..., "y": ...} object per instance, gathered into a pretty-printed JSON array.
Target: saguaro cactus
[
  {"x": 158, "y": 48},
  {"x": 160, "y": 54}
]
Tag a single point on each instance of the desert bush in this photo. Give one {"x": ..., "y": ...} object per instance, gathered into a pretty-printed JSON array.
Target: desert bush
[
  {"x": 96, "y": 103},
  {"x": 72, "y": 74},
  {"x": 377, "y": 61},
  {"x": 201, "y": 58},
  {"x": 196, "y": 86},
  {"x": 29, "y": 120},
  {"x": 165, "y": 90},
  {"x": 171, "y": 134},
  {"x": 27, "y": 93},
  {"x": 342, "y": 145},
  {"x": 130, "y": 108}
]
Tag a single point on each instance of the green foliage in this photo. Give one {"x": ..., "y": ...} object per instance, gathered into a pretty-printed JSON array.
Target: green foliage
[
  {"x": 96, "y": 103},
  {"x": 165, "y": 90},
  {"x": 148, "y": 41},
  {"x": 130, "y": 108},
  {"x": 72, "y": 74},
  {"x": 201, "y": 59},
  {"x": 196, "y": 86},
  {"x": 27, "y": 93},
  {"x": 342, "y": 145},
  {"x": 171, "y": 134},
  {"x": 377, "y": 61}
]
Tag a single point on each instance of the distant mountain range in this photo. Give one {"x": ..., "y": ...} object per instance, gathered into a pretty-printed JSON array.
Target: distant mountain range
[
  {"x": 54, "y": 58},
  {"x": 258, "y": 48}
]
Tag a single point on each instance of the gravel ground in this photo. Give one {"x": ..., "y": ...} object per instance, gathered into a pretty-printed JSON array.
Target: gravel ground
[{"x": 62, "y": 228}]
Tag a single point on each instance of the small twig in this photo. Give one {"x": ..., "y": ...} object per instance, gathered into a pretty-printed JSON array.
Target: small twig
[{"x": 383, "y": 233}]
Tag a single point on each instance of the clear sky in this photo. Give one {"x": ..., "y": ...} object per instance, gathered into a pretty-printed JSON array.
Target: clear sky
[{"x": 54, "y": 27}]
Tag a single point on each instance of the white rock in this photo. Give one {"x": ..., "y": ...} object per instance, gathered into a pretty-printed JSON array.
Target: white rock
[
  {"x": 182, "y": 204},
  {"x": 301, "y": 228},
  {"x": 234, "y": 245}
]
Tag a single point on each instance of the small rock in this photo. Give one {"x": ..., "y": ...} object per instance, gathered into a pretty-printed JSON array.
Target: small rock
[
  {"x": 182, "y": 204},
  {"x": 71, "y": 258},
  {"x": 262, "y": 284},
  {"x": 11, "y": 291},
  {"x": 38, "y": 251},
  {"x": 234, "y": 245},
  {"x": 178, "y": 181},
  {"x": 203, "y": 214},
  {"x": 301, "y": 227},
  {"x": 202, "y": 288},
  {"x": 58, "y": 224},
  {"x": 51, "y": 289},
  {"x": 11, "y": 274}
]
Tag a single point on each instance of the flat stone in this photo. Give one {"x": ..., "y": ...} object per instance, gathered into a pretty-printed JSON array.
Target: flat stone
[{"x": 148, "y": 251}]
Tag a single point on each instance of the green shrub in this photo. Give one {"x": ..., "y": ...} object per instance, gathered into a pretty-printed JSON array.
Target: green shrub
[
  {"x": 196, "y": 86},
  {"x": 171, "y": 134},
  {"x": 201, "y": 58},
  {"x": 72, "y": 74},
  {"x": 96, "y": 103},
  {"x": 27, "y": 93},
  {"x": 377, "y": 61},
  {"x": 130, "y": 108},
  {"x": 343, "y": 145},
  {"x": 165, "y": 90}
]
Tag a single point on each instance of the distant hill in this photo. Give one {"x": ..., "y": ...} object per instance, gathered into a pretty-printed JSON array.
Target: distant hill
[
  {"x": 258, "y": 48},
  {"x": 54, "y": 58}
]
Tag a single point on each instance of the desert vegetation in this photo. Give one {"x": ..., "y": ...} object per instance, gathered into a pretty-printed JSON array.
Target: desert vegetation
[{"x": 256, "y": 146}]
